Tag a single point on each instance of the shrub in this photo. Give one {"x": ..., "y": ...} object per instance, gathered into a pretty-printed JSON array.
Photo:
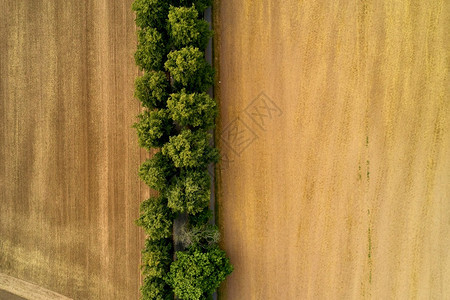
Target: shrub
[
  {"x": 154, "y": 128},
  {"x": 190, "y": 192},
  {"x": 189, "y": 69},
  {"x": 156, "y": 218},
  {"x": 196, "y": 109},
  {"x": 152, "y": 89},
  {"x": 151, "y": 13},
  {"x": 157, "y": 171},
  {"x": 151, "y": 49},
  {"x": 190, "y": 149},
  {"x": 197, "y": 273},
  {"x": 185, "y": 28},
  {"x": 155, "y": 289},
  {"x": 156, "y": 258}
]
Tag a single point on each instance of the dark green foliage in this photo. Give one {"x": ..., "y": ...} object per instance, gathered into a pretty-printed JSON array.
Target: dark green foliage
[
  {"x": 198, "y": 272},
  {"x": 189, "y": 69},
  {"x": 201, "y": 218},
  {"x": 152, "y": 89},
  {"x": 151, "y": 13},
  {"x": 195, "y": 110},
  {"x": 154, "y": 128},
  {"x": 186, "y": 29},
  {"x": 151, "y": 49},
  {"x": 156, "y": 258},
  {"x": 190, "y": 149},
  {"x": 200, "y": 5},
  {"x": 156, "y": 218},
  {"x": 155, "y": 289},
  {"x": 190, "y": 192},
  {"x": 157, "y": 171}
]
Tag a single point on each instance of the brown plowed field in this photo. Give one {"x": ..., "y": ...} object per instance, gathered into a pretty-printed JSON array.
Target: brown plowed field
[
  {"x": 69, "y": 190},
  {"x": 335, "y": 183}
]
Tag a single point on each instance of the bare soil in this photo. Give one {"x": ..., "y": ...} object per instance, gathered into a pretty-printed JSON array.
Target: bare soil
[
  {"x": 69, "y": 190},
  {"x": 335, "y": 182}
]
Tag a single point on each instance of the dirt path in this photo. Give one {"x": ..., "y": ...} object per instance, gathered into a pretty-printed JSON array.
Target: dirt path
[
  {"x": 12, "y": 288},
  {"x": 336, "y": 181},
  {"x": 69, "y": 192}
]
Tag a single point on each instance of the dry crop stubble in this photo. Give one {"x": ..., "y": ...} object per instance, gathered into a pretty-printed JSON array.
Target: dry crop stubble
[
  {"x": 345, "y": 195},
  {"x": 69, "y": 190}
]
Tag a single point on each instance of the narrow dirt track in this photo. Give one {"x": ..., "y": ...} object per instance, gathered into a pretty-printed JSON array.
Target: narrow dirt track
[
  {"x": 335, "y": 184},
  {"x": 69, "y": 191}
]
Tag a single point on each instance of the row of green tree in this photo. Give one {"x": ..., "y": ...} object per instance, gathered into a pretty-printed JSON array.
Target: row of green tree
[{"x": 172, "y": 38}]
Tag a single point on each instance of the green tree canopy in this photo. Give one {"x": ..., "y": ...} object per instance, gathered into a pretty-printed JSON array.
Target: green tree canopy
[
  {"x": 154, "y": 128},
  {"x": 185, "y": 28},
  {"x": 151, "y": 49},
  {"x": 198, "y": 272},
  {"x": 190, "y": 149},
  {"x": 189, "y": 69},
  {"x": 151, "y": 13},
  {"x": 200, "y": 5},
  {"x": 201, "y": 218},
  {"x": 190, "y": 192},
  {"x": 195, "y": 109},
  {"x": 156, "y": 258},
  {"x": 157, "y": 171},
  {"x": 156, "y": 218},
  {"x": 152, "y": 89},
  {"x": 155, "y": 289}
]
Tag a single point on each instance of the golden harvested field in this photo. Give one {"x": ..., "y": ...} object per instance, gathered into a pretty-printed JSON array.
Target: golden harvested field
[
  {"x": 335, "y": 182},
  {"x": 69, "y": 191}
]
